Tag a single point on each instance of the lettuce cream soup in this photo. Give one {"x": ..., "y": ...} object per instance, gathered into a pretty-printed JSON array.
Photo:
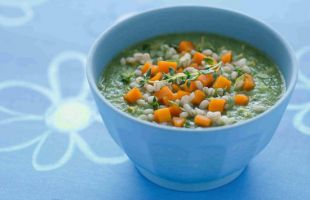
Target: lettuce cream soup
[{"x": 192, "y": 80}]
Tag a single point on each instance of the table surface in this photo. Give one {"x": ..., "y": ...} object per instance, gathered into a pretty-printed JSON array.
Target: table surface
[{"x": 43, "y": 47}]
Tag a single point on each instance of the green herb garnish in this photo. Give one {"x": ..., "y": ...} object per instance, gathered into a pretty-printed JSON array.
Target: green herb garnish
[
  {"x": 154, "y": 103},
  {"x": 126, "y": 77},
  {"x": 146, "y": 78},
  {"x": 171, "y": 71},
  {"x": 209, "y": 60},
  {"x": 187, "y": 124}
]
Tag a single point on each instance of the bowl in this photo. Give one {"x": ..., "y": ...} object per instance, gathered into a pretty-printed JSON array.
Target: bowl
[{"x": 190, "y": 159}]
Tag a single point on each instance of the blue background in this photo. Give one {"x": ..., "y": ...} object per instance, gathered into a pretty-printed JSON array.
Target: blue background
[{"x": 39, "y": 162}]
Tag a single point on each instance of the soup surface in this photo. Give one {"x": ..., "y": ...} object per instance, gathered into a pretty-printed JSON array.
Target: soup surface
[{"x": 192, "y": 80}]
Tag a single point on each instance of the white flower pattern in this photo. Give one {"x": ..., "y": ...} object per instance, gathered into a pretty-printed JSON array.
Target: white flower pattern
[
  {"x": 302, "y": 90},
  {"x": 67, "y": 117},
  {"x": 25, "y": 7}
]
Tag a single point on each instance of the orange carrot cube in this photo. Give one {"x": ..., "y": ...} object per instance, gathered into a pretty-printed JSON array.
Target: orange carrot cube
[
  {"x": 198, "y": 57},
  {"x": 202, "y": 121},
  {"x": 216, "y": 105},
  {"x": 162, "y": 115},
  {"x": 178, "y": 121},
  {"x": 133, "y": 95},
  {"x": 163, "y": 66},
  {"x": 248, "y": 83},
  {"x": 222, "y": 82},
  {"x": 241, "y": 99},
  {"x": 199, "y": 97},
  {"x": 227, "y": 57},
  {"x": 186, "y": 46}
]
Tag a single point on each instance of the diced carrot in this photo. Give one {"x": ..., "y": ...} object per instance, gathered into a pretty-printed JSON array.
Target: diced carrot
[
  {"x": 203, "y": 121},
  {"x": 203, "y": 79},
  {"x": 154, "y": 69},
  {"x": 199, "y": 97},
  {"x": 198, "y": 57},
  {"x": 206, "y": 79},
  {"x": 241, "y": 99},
  {"x": 163, "y": 66},
  {"x": 146, "y": 67},
  {"x": 210, "y": 79},
  {"x": 180, "y": 70},
  {"x": 178, "y": 121},
  {"x": 164, "y": 94},
  {"x": 226, "y": 58},
  {"x": 216, "y": 105},
  {"x": 156, "y": 77},
  {"x": 192, "y": 86},
  {"x": 180, "y": 94},
  {"x": 175, "y": 87},
  {"x": 195, "y": 65},
  {"x": 175, "y": 110},
  {"x": 222, "y": 82},
  {"x": 248, "y": 83},
  {"x": 166, "y": 100},
  {"x": 133, "y": 95},
  {"x": 186, "y": 46},
  {"x": 162, "y": 115}
]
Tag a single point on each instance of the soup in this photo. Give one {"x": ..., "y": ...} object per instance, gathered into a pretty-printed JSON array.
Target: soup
[{"x": 192, "y": 80}]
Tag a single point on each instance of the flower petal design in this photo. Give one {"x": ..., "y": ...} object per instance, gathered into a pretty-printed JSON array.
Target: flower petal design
[
  {"x": 67, "y": 75},
  {"x": 100, "y": 148},
  {"x": 301, "y": 101},
  {"x": 20, "y": 132},
  {"x": 302, "y": 58},
  {"x": 300, "y": 120},
  {"x": 27, "y": 15},
  {"x": 300, "y": 95},
  {"x": 19, "y": 98},
  {"x": 46, "y": 157},
  {"x": 18, "y": 2},
  {"x": 96, "y": 135}
]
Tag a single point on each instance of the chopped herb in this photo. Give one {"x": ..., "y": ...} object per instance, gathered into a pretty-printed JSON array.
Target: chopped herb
[
  {"x": 145, "y": 79},
  {"x": 230, "y": 102},
  {"x": 215, "y": 75},
  {"x": 239, "y": 71},
  {"x": 148, "y": 74},
  {"x": 126, "y": 77},
  {"x": 154, "y": 103},
  {"x": 187, "y": 124},
  {"x": 188, "y": 74},
  {"x": 209, "y": 60},
  {"x": 171, "y": 71},
  {"x": 166, "y": 76},
  {"x": 188, "y": 83}
]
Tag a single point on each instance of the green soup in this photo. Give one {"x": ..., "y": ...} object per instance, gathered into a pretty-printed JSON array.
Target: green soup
[{"x": 192, "y": 80}]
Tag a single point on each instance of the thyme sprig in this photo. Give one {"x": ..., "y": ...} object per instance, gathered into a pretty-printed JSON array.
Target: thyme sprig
[
  {"x": 146, "y": 78},
  {"x": 187, "y": 124},
  {"x": 154, "y": 103},
  {"x": 186, "y": 76},
  {"x": 126, "y": 77}
]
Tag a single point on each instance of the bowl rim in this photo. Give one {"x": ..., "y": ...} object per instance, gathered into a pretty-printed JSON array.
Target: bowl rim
[{"x": 287, "y": 93}]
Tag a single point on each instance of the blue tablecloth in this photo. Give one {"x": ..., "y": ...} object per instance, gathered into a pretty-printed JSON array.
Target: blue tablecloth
[{"x": 46, "y": 152}]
